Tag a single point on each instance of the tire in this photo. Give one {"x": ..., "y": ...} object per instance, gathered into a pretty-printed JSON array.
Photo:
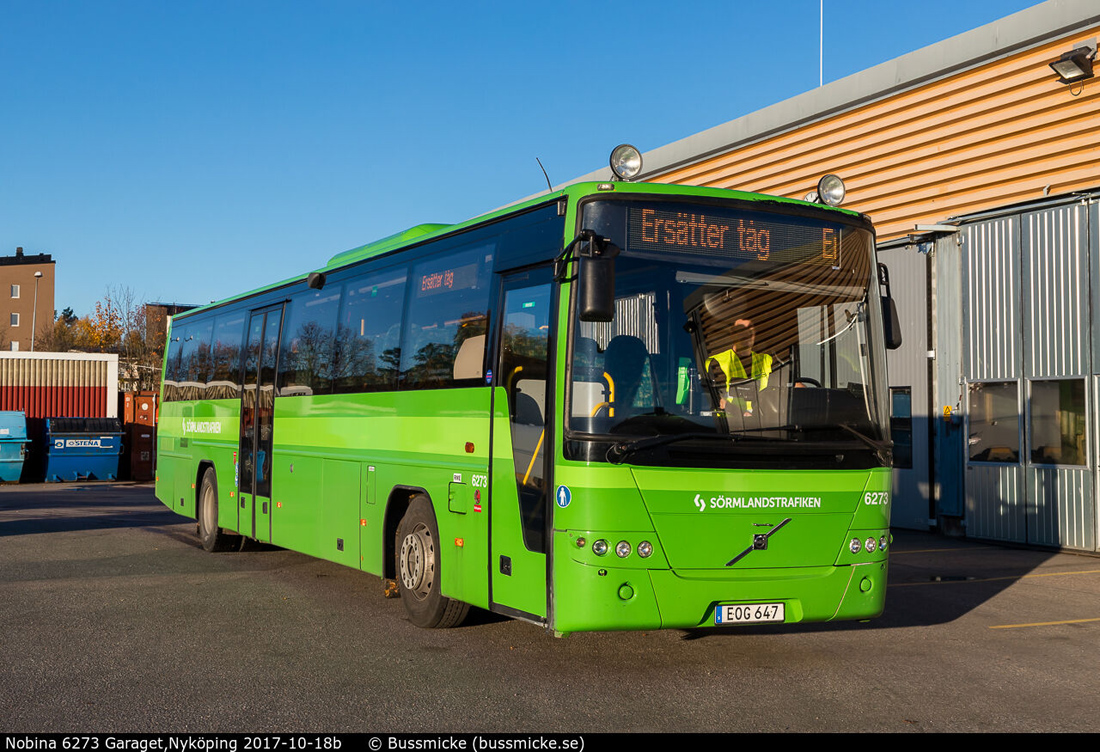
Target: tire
[
  {"x": 417, "y": 565},
  {"x": 213, "y": 537}
]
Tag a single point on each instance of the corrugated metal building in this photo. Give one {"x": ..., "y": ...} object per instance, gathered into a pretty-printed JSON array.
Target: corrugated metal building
[
  {"x": 55, "y": 385},
  {"x": 981, "y": 171}
]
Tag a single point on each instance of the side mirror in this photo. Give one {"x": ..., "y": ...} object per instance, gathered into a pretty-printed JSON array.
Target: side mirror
[
  {"x": 596, "y": 277},
  {"x": 891, "y": 324}
]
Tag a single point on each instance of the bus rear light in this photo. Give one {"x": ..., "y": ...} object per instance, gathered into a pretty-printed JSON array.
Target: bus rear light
[{"x": 622, "y": 549}]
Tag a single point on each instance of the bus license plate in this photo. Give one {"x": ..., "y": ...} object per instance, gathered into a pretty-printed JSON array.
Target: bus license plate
[{"x": 749, "y": 613}]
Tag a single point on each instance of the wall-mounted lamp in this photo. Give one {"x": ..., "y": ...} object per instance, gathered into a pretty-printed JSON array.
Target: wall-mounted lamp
[{"x": 1076, "y": 65}]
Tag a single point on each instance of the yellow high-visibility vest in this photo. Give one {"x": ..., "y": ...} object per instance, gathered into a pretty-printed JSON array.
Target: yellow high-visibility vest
[{"x": 732, "y": 368}]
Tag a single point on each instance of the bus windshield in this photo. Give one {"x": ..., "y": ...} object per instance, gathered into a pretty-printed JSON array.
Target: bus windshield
[{"x": 737, "y": 333}]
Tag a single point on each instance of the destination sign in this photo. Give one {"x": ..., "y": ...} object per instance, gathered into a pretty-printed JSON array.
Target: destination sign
[
  {"x": 744, "y": 236},
  {"x": 449, "y": 279}
]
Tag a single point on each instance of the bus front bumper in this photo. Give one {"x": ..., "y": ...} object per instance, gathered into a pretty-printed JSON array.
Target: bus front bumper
[{"x": 592, "y": 598}]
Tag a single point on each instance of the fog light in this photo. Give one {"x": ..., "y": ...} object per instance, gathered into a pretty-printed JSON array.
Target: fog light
[
  {"x": 599, "y": 547},
  {"x": 645, "y": 548},
  {"x": 622, "y": 550},
  {"x": 626, "y": 592},
  {"x": 870, "y": 545},
  {"x": 854, "y": 546}
]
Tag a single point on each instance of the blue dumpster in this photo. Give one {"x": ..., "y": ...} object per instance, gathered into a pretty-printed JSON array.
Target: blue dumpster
[
  {"x": 13, "y": 443},
  {"x": 82, "y": 448}
]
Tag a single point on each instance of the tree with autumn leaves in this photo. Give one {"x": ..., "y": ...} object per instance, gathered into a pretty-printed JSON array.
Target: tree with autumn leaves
[{"x": 116, "y": 324}]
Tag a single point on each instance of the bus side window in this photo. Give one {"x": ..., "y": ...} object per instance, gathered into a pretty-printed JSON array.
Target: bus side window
[
  {"x": 449, "y": 305},
  {"x": 308, "y": 360},
  {"x": 368, "y": 339},
  {"x": 172, "y": 364},
  {"x": 224, "y": 379},
  {"x": 195, "y": 360}
]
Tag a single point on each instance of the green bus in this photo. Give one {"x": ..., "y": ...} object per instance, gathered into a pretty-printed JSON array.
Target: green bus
[{"x": 616, "y": 406}]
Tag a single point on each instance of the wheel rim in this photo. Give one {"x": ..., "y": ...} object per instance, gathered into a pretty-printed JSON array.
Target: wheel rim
[
  {"x": 418, "y": 562},
  {"x": 209, "y": 521}
]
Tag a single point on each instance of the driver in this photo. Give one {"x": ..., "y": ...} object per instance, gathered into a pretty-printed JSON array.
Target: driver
[{"x": 739, "y": 364}]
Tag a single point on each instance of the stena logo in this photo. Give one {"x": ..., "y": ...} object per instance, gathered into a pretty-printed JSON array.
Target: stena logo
[{"x": 83, "y": 443}]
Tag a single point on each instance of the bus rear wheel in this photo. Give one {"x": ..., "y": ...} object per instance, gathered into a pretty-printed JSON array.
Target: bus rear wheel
[
  {"x": 418, "y": 570},
  {"x": 213, "y": 537}
]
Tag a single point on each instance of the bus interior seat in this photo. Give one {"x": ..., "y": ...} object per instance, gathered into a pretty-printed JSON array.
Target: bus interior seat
[
  {"x": 624, "y": 360},
  {"x": 470, "y": 360},
  {"x": 527, "y": 410},
  {"x": 586, "y": 358}
]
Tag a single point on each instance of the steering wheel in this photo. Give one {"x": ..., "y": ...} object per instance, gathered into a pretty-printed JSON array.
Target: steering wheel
[{"x": 807, "y": 380}]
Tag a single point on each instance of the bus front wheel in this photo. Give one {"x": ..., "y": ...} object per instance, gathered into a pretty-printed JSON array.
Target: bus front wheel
[
  {"x": 213, "y": 537},
  {"x": 418, "y": 570}
]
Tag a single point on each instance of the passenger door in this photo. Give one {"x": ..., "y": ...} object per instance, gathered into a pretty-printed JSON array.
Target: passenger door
[
  {"x": 522, "y": 422},
  {"x": 260, "y": 366}
]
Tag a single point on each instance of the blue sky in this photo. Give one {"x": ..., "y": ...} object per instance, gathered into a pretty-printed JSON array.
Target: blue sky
[{"x": 188, "y": 151}]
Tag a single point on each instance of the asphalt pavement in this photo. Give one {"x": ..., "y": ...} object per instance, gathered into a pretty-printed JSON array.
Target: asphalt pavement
[{"x": 115, "y": 620}]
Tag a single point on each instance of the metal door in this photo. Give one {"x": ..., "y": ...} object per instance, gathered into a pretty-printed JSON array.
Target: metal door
[{"x": 910, "y": 383}]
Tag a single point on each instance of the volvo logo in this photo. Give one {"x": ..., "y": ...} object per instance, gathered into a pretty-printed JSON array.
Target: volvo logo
[{"x": 759, "y": 542}]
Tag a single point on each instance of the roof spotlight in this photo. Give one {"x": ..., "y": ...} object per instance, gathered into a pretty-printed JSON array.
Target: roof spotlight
[
  {"x": 626, "y": 162},
  {"x": 830, "y": 190}
]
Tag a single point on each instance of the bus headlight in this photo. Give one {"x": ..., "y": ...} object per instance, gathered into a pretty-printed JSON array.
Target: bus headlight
[
  {"x": 622, "y": 550},
  {"x": 882, "y": 543},
  {"x": 854, "y": 546},
  {"x": 626, "y": 162},
  {"x": 870, "y": 545},
  {"x": 599, "y": 547},
  {"x": 645, "y": 549}
]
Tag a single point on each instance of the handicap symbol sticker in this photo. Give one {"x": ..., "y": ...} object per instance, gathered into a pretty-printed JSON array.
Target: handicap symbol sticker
[{"x": 564, "y": 496}]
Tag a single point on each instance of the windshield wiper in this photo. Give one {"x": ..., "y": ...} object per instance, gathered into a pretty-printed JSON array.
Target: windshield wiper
[
  {"x": 881, "y": 448},
  {"x": 852, "y": 319},
  {"x": 620, "y": 450}
]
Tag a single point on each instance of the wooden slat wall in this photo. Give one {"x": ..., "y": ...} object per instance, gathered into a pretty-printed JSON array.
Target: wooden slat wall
[{"x": 977, "y": 140}]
